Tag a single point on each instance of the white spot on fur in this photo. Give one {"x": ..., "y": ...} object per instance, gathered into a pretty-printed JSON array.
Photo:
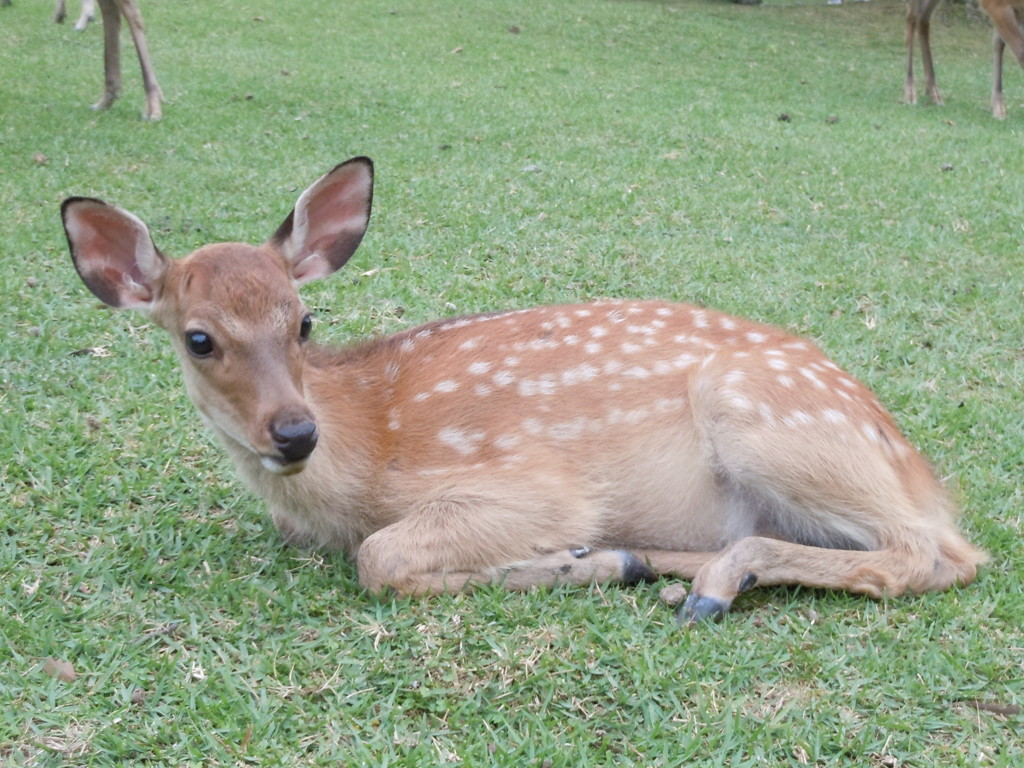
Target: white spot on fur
[
  {"x": 684, "y": 360},
  {"x": 470, "y": 343},
  {"x": 533, "y": 426},
  {"x": 571, "y": 340},
  {"x": 598, "y": 331},
  {"x": 419, "y": 398},
  {"x": 755, "y": 337},
  {"x": 739, "y": 401},
  {"x": 728, "y": 323},
  {"x": 766, "y": 413},
  {"x": 407, "y": 345},
  {"x": 777, "y": 364},
  {"x": 734, "y": 377},
  {"x": 612, "y": 366},
  {"x": 503, "y": 378},
  {"x": 808, "y": 374},
  {"x": 832, "y": 416},
  {"x": 581, "y": 373},
  {"x": 592, "y": 348},
  {"x": 700, "y": 318},
  {"x": 447, "y": 385},
  {"x": 507, "y": 442},
  {"x": 798, "y": 418},
  {"x": 482, "y": 390},
  {"x": 663, "y": 312},
  {"x": 583, "y": 313},
  {"x": 568, "y": 430},
  {"x": 637, "y": 372},
  {"x": 668, "y": 404},
  {"x": 545, "y": 385},
  {"x": 512, "y": 361},
  {"x": 463, "y": 442},
  {"x": 663, "y": 367},
  {"x": 479, "y": 368},
  {"x": 393, "y": 422},
  {"x": 634, "y": 416},
  {"x": 785, "y": 381},
  {"x": 629, "y": 348}
]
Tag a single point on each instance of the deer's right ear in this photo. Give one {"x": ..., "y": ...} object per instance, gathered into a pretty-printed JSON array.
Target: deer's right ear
[
  {"x": 113, "y": 253},
  {"x": 328, "y": 222}
]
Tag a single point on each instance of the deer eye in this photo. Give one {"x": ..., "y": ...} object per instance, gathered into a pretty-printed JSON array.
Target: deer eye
[
  {"x": 199, "y": 344},
  {"x": 306, "y": 327}
]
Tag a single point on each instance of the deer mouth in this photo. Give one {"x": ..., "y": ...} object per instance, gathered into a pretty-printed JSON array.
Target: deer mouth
[{"x": 282, "y": 466}]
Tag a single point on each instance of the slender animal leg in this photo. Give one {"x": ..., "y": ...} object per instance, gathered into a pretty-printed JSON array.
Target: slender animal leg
[
  {"x": 111, "y": 54},
  {"x": 154, "y": 96},
  {"x": 919, "y": 13}
]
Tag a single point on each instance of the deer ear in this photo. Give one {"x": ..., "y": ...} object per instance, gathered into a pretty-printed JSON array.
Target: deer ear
[
  {"x": 113, "y": 253},
  {"x": 328, "y": 222}
]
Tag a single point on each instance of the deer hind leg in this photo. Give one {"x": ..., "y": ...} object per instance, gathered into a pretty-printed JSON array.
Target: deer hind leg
[
  {"x": 821, "y": 497},
  {"x": 154, "y": 96},
  {"x": 1007, "y": 34},
  {"x": 515, "y": 536},
  {"x": 111, "y": 54}
]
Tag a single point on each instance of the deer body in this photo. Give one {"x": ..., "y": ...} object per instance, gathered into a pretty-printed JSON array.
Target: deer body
[{"x": 606, "y": 441}]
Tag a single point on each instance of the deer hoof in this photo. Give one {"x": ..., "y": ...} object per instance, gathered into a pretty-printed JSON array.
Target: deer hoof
[
  {"x": 697, "y": 609},
  {"x": 635, "y": 570}
]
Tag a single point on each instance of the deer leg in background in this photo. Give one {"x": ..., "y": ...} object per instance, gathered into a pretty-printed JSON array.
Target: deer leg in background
[
  {"x": 919, "y": 13},
  {"x": 1005, "y": 15}
]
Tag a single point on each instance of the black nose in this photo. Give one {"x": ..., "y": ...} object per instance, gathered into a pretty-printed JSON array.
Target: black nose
[{"x": 295, "y": 440}]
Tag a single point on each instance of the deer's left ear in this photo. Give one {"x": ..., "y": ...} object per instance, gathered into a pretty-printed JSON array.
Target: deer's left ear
[{"x": 328, "y": 222}]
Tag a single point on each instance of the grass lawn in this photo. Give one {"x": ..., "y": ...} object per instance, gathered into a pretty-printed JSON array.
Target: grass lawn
[{"x": 757, "y": 159}]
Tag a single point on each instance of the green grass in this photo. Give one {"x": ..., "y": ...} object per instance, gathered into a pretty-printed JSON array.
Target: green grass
[{"x": 600, "y": 149}]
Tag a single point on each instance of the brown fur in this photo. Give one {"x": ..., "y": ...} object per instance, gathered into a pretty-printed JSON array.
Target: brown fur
[{"x": 566, "y": 444}]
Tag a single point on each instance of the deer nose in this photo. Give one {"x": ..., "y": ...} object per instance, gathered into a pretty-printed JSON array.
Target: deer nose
[{"x": 295, "y": 440}]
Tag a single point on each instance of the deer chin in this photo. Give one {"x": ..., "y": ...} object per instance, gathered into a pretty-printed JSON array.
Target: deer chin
[{"x": 281, "y": 467}]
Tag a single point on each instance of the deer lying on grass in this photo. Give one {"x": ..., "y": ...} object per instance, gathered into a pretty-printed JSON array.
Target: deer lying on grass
[
  {"x": 611, "y": 441},
  {"x": 1006, "y": 16},
  {"x": 88, "y": 13}
]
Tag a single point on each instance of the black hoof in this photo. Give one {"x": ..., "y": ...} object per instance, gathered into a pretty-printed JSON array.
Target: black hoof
[
  {"x": 635, "y": 570},
  {"x": 749, "y": 582},
  {"x": 697, "y": 609}
]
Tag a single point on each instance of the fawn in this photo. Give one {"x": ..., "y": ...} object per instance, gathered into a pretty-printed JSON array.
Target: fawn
[{"x": 609, "y": 441}]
